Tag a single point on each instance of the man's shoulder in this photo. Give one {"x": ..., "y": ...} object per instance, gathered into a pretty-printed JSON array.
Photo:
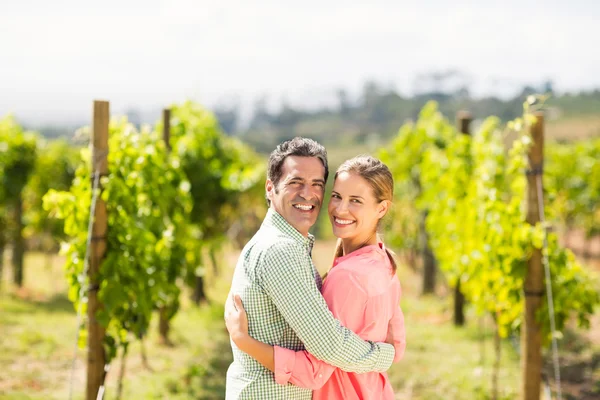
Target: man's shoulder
[
  {"x": 271, "y": 250},
  {"x": 271, "y": 241}
]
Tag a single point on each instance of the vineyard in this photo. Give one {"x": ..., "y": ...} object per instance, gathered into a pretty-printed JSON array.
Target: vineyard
[{"x": 148, "y": 221}]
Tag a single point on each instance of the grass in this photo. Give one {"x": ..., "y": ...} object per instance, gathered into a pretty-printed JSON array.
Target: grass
[
  {"x": 574, "y": 128},
  {"x": 38, "y": 330},
  {"x": 38, "y": 325},
  {"x": 443, "y": 361}
]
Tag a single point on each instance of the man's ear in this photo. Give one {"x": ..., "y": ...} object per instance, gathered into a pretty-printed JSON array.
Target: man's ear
[{"x": 269, "y": 187}]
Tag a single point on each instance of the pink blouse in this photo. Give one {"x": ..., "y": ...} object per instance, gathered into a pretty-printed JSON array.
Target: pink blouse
[{"x": 362, "y": 292}]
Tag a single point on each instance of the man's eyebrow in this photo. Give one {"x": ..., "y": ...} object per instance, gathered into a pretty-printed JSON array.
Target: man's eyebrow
[{"x": 319, "y": 180}]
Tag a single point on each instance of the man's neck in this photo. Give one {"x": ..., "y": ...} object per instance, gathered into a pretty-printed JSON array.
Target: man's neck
[{"x": 305, "y": 234}]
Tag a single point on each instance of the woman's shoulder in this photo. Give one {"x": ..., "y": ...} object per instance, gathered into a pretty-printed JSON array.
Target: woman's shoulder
[
  {"x": 371, "y": 270},
  {"x": 365, "y": 260}
]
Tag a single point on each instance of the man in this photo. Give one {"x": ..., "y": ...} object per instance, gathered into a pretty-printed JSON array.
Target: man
[{"x": 280, "y": 287}]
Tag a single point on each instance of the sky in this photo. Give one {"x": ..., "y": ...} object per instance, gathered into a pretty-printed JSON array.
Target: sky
[{"x": 57, "y": 57}]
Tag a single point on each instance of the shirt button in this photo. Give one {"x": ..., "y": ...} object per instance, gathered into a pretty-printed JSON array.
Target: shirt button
[{"x": 320, "y": 375}]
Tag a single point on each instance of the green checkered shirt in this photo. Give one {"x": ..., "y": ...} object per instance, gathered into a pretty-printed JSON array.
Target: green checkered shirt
[{"x": 281, "y": 292}]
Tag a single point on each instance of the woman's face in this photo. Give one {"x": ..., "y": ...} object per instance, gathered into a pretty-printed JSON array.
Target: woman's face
[{"x": 353, "y": 209}]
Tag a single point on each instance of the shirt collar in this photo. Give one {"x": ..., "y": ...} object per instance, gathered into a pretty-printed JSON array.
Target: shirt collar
[{"x": 273, "y": 218}]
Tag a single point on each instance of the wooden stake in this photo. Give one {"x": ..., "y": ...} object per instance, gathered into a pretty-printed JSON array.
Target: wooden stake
[
  {"x": 463, "y": 119},
  {"x": 96, "y": 332},
  {"x": 429, "y": 261},
  {"x": 531, "y": 335},
  {"x": 18, "y": 241},
  {"x": 166, "y": 116},
  {"x": 164, "y": 325}
]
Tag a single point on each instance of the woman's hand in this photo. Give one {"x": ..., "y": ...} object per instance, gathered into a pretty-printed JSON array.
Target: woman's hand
[{"x": 236, "y": 319}]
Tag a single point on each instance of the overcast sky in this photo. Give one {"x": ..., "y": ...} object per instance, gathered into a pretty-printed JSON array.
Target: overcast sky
[{"x": 57, "y": 56}]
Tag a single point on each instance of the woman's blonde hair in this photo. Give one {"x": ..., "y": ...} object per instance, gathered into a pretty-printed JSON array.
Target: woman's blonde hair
[{"x": 380, "y": 178}]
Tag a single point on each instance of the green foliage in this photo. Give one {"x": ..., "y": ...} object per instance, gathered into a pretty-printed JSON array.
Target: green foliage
[
  {"x": 226, "y": 176},
  {"x": 404, "y": 156},
  {"x": 218, "y": 168},
  {"x": 17, "y": 158},
  {"x": 475, "y": 192},
  {"x": 149, "y": 243},
  {"x": 572, "y": 175},
  {"x": 54, "y": 169},
  {"x": 163, "y": 207}
]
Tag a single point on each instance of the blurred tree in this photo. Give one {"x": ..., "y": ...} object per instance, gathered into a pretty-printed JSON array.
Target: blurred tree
[
  {"x": 344, "y": 104},
  {"x": 54, "y": 169},
  {"x": 223, "y": 174},
  {"x": 17, "y": 160}
]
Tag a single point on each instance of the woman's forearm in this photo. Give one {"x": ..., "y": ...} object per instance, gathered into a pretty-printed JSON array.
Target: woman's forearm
[{"x": 261, "y": 352}]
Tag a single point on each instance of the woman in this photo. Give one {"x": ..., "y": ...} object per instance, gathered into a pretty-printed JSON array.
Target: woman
[{"x": 361, "y": 290}]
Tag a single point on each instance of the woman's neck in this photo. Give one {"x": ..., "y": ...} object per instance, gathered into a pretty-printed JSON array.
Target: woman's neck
[{"x": 352, "y": 244}]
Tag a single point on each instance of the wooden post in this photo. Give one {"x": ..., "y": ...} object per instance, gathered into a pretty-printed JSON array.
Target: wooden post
[
  {"x": 163, "y": 324},
  {"x": 18, "y": 250},
  {"x": 96, "y": 332},
  {"x": 531, "y": 335},
  {"x": 166, "y": 116},
  {"x": 429, "y": 261},
  {"x": 2, "y": 244},
  {"x": 463, "y": 120}
]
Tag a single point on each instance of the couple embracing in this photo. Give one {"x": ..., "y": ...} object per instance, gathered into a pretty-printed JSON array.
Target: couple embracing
[{"x": 294, "y": 335}]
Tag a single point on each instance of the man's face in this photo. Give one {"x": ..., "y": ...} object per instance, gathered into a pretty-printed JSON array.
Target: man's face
[{"x": 299, "y": 193}]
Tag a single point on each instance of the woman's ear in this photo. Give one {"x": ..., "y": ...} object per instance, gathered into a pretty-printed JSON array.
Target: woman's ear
[{"x": 382, "y": 208}]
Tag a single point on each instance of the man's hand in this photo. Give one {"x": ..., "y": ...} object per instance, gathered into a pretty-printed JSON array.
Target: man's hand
[{"x": 236, "y": 319}]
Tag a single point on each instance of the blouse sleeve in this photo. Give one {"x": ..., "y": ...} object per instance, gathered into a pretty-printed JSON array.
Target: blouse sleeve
[{"x": 399, "y": 330}]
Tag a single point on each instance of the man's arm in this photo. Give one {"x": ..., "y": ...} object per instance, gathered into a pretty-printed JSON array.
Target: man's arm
[{"x": 287, "y": 278}]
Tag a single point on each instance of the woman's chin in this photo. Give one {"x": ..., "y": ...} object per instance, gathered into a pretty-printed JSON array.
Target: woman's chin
[{"x": 340, "y": 234}]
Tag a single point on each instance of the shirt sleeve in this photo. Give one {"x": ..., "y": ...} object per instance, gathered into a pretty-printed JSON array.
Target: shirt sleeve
[
  {"x": 287, "y": 279},
  {"x": 348, "y": 302}
]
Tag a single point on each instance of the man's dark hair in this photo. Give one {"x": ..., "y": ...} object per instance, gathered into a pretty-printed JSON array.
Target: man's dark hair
[{"x": 298, "y": 146}]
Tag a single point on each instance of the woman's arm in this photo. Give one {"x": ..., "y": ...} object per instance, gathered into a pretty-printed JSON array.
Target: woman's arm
[
  {"x": 397, "y": 334},
  {"x": 347, "y": 300}
]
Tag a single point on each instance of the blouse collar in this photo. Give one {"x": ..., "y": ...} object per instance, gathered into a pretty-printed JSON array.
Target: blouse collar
[{"x": 375, "y": 248}]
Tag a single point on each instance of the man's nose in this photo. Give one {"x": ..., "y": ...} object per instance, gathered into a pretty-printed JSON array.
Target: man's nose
[{"x": 308, "y": 192}]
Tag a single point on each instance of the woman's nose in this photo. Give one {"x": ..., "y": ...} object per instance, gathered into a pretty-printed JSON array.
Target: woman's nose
[{"x": 342, "y": 207}]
